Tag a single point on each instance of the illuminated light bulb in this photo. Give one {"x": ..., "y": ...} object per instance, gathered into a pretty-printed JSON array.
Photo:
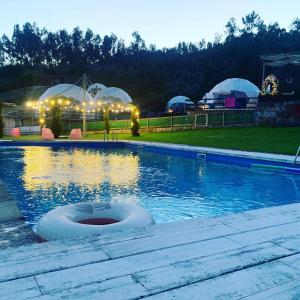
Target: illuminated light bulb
[
  {"x": 29, "y": 104},
  {"x": 46, "y": 100},
  {"x": 83, "y": 103},
  {"x": 52, "y": 102}
]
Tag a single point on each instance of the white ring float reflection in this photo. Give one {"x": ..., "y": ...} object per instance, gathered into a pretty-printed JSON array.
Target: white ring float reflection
[{"x": 84, "y": 219}]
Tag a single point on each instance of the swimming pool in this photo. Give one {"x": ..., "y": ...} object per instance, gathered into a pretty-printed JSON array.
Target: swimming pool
[{"x": 172, "y": 187}]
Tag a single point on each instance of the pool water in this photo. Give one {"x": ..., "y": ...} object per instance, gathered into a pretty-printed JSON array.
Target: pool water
[{"x": 170, "y": 187}]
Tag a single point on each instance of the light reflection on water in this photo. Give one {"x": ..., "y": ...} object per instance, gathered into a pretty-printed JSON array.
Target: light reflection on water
[
  {"x": 170, "y": 187},
  {"x": 84, "y": 168}
]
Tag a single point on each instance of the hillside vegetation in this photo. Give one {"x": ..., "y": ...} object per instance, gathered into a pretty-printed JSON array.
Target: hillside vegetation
[
  {"x": 34, "y": 56},
  {"x": 20, "y": 96}
]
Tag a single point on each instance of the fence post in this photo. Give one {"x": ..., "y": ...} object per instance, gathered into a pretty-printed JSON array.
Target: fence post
[
  {"x": 206, "y": 120},
  {"x": 223, "y": 118},
  {"x": 171, "y": 121},
  {"x": 195, "y": 120},
  {"x": 148, "y": 125}
]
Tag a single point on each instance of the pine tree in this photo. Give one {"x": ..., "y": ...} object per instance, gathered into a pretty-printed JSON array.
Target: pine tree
[
  {"x": 135, "y": 124},
  {"x": 56, "y": 125},
  {"x": 106, "y": 119}
]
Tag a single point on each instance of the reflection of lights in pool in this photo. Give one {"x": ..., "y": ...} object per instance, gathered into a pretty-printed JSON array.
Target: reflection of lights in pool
[{"x": 44, "y": 168}]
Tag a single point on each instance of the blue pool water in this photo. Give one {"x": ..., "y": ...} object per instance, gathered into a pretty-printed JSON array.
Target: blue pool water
[{"x": 170, "y": 187}]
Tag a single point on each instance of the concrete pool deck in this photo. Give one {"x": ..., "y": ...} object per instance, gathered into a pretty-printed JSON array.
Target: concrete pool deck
[{"x": 250, "y": 255}]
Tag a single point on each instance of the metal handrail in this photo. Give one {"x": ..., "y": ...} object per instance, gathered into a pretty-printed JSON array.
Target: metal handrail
[
  {"x": 105, "y": 136},
  {"x": 297, "y": 155}
]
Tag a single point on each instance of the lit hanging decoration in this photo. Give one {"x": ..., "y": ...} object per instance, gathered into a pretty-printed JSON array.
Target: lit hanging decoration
[
  {"x": 270, "y": 86},
  {"x": 44, "y": 107}
]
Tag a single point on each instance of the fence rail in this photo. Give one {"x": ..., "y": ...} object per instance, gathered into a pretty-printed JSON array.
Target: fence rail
[{"x": 207, "y": 118}]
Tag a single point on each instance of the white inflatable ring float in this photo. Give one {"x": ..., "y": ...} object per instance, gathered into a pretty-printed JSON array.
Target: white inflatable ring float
[{"x": 83, "y": 219}]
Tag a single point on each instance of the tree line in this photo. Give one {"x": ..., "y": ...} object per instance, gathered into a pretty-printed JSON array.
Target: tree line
[{"x": 36, "y": 56}]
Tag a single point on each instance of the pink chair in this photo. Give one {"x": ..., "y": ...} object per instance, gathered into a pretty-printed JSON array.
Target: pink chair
[
  {"x": 47, "y": 134},
  {"x": 15, "y": 132},
  {"x": 76, "y": 133}
]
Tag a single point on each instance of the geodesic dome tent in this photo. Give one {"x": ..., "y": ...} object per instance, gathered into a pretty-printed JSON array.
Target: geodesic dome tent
[
  {"x": 112, "y": 95},
  {"x": 66, "y": 90},
  {"x": 232, "y": 93},
  {"x": 234, "y": 84},
  {"x": 94, "y": 88},
  {"x": 179, "y": 103}
]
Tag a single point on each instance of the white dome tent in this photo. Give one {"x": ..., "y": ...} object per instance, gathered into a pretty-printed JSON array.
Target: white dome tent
[
  {"x": 245, "y": 92},
  {"x": 234, "y": 84},
  {"x": 112, "y": 95},
  {"x": 179, "y": 102},
  {"x": 66, "y": 90},
  {"x": 94, "y": 88}
]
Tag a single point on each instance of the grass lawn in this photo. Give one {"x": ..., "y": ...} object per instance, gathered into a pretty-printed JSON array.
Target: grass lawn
[{"x": 263, "y": 139}]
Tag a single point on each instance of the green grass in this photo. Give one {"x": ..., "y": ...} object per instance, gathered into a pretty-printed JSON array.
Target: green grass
[{"x": 263, "y": 139}]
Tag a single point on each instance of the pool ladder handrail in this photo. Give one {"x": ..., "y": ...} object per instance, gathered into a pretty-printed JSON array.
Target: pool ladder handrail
[
  {"x": 297, "y": 155},
  {"x": 114, "y": 137},
  {"x": 105, "y": 136}
]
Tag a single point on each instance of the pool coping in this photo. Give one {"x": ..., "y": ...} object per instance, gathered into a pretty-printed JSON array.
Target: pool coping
[
  {"x": 219, "y": 153},
  {"x": 227, "y": 152}
]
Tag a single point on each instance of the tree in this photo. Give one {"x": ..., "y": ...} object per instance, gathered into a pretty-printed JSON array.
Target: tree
[
  {"x": 106, "y": 119},
  {"x": 135, "y": 124},
  {"x": 1, "y": 121},
  {"x": 231, "y": 28},
  {"x": 56, "y": 125},
  {"x": 296, "y": 25},
  {"x": 138, "y": 44},
  {"x": 252, "y": 23}
]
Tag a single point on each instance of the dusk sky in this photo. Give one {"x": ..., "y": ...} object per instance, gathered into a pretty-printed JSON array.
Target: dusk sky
[{"x": 161, "y": 22}]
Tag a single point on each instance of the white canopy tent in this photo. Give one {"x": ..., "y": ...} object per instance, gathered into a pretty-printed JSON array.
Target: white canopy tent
[
  {"x": 94, "y": 88},
  {"x": 67, "y": 90},
  {"x": 281, "y": 59},
  {"x": 234, "y": 84},
  {"x": 112, "y": 95}
]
